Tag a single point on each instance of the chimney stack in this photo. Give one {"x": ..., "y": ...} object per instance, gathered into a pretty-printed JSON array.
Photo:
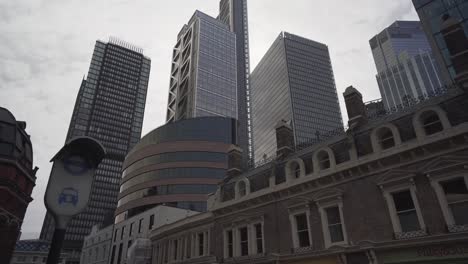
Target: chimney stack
[
  {"x": 234, "y": 161},
  {"x": 284, "y": 139},
  {"x": 357, "y": 113}
]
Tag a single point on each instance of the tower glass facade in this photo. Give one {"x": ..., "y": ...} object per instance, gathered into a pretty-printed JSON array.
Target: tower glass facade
[
  {"x": 293, "y": 81},
  {"x": 234, "y": 14},
  {"x": 430, "y": 13},
  {"x": 109, "y": 108},
  {"x": 406, "y": 68},
  {"x": 203, "y": 75}
]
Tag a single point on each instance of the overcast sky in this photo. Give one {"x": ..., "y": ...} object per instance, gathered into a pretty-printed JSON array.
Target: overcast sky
[{"x": 46, "y": 47}]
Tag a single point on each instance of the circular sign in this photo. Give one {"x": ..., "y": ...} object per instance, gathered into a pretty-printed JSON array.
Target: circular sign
[{"x": 75, "y": 165}]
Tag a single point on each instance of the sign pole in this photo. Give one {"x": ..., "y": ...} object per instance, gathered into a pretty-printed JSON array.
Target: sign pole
[{"x": 56, "y": 246}]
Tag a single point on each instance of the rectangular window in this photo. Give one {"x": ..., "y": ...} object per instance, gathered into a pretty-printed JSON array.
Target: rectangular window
[
  {"x": 244, "y": 241},
  {"x": 140, "y": 223},
  {"x": 230, "y": 243},
  {"x": 456, "y": 194},
  {"x": 406, "y": 211},
  {"x": 259, "y": 238},
  {"x": 302, "y": 230},
  {"x": 119, "y": 255},
  {"x": 201, "y": 244},
  {"x": 334, "y": 224},
  {"x": 151, "y": 222},
  {"x": 175, "y": 248},
  {"x": 115, "y": 234},
  {"x": 123, "y": 232},
  {"x": 131, "y": 229}
]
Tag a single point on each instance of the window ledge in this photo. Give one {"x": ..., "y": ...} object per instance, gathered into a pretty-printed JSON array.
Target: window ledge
[
  {"x": 457, "y": 228},
  {"x": 239, "y": 258},
  {"x": 411, "y": 234}
]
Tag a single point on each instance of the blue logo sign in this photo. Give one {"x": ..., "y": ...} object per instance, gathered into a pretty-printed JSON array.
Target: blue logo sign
[
  {"x": 75, "y": 165},
  {"x": 68, "y": 196}
]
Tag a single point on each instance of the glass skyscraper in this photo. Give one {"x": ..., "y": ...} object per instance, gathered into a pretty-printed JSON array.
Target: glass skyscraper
[
  {"x": 406, "y": 68},
  {"x": 109, "y": 107},
  {"x": 293, "y": 82},
  {"x": 203, "y": 74},
  {"x": 234, "y": 14},
  {"x": 430, "y": 13}
]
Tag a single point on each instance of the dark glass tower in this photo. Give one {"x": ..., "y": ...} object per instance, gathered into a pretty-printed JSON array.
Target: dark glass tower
[
  {"x": 294, "y": 82},
  {"x": 109, "y": 107},
  {"x": 234, "y": 14},
  {"x": 430, "y": 13}
]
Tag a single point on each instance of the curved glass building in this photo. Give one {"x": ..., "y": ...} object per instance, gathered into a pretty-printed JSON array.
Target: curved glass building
[{"x": 177, "y": 164}]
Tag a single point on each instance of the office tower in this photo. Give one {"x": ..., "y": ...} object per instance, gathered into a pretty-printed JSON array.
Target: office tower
[
  {"x": 177, "y": 165},
  {"x": 430, "y": 13},
  {"x": 109, "y": 107},
  {"x": 406, "y": 68},
  {"x": 203, "y": 73},
  {"x": 293, "y": 82},
  {"x": 234, "y": 14},
  {"x": 17, "y": 180}
]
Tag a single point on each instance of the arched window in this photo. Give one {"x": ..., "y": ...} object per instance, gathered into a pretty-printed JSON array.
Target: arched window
[
  {"x": 385, "y": 138},
  {"x": 296, "y": 170},
  {"x": 323, "y": 160},
  {"x": 242, "y": 188},
  {"x": 431, "y": 122}
]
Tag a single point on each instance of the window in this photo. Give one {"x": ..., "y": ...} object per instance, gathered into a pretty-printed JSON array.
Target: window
[
  {"x": 229, "y": 244},
  {"x": 406, "y": 211},
  {"x": 151, "y": 222},
  {"x": 431, "y": 123},
  {"x": 131, "y": 229},
  {"x": 244, "y": 241},
  {"x": 324, "y": 160},
  {"x": 258, "y": 238},
  {"x": 201, "y": 244},
  {"x": 175, "y": 248},
  {"x": 385, "y": 137},
  {"x": 296, "y": 170},
  {"x": 334, "y": 224},
  {"x": 302, "y": 230},
  {"x": 123, "y": 232},
  {"x": 115, "y": 234},
  {"x": 139, "y": 225},
  {"x": 242, "y": 188},
  {"x": 456, "y": 194}
]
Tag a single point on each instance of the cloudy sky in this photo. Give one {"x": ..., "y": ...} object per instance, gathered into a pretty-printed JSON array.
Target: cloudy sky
[{"x": 46, "y": 47}]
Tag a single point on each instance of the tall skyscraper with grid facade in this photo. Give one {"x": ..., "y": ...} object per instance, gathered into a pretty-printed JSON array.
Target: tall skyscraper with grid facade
[
  {"x": 293, "y": 82},
  {"x": 203, "y": 74},
  {"x": 109, "y": 107},
  {"x": 234, "y": 14}
]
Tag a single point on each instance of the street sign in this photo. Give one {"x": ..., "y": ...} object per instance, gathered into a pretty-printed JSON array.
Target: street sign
[
  {"x": 70, "y": 184},
  {"x": 71, "y": 178}
]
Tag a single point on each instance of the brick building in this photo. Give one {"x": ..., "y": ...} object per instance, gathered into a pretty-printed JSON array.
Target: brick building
[
  {"x": 17, "y": 179},
  {"x": 393, "y": 188}
]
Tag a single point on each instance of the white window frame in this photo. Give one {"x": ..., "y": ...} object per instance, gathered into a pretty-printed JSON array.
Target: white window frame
[
  {"x": 324, "y": 219},
  {"x": 387, "y": 192},
  {"x": 238, "y": 252},
  {"x": 254, "y": 238},
  {"x": 441, "y": 197},
  {"x": 292, "y": 219},
  {"x": 226, "y": 249}
]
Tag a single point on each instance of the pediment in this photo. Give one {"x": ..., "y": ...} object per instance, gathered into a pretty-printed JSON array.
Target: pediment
[
  {"x": 444, "y": 162},
  {"x": 327, "y": 193},
  {"x": 300, "y": 201},
  {"x": 395, "y": 175}
]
